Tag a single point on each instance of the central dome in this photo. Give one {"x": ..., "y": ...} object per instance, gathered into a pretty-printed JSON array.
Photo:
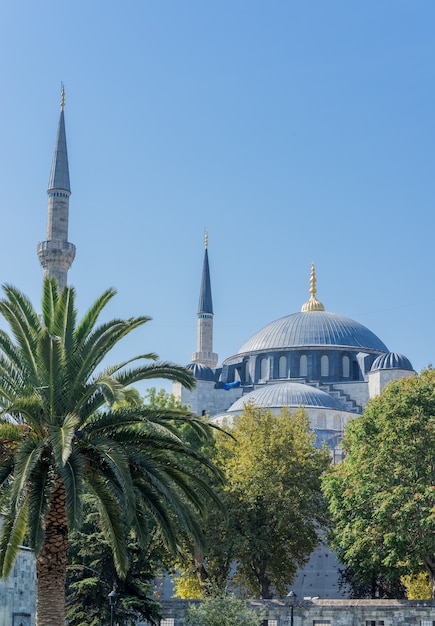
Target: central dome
[{"x": 313, "y": 328}]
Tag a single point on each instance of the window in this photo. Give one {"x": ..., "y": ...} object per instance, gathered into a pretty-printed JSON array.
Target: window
[
  {"x": 374, "y": 622},
  {"x": 167, "y": 621},
  {"x": 427, "y": 622},
  {"x": 247, "y": 377},
  {"x": 282, "y": 368},
  {"x": 337, "y": 422},
  {"x": 324, "y": 365},
  {"x": 346, "y": 367},
  {"x": 321, "y": 421},
  {"x": 303, "y": 366},
  {"x": 264, "y": 369},
  {"x": 21, "y": 619},
  {"x": 270, "y": 622}
]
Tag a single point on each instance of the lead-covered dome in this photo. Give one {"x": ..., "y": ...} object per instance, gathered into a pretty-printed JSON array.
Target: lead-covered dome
[
  {"x": 287, "y": 394},
  {"x": 313, "y": 328},
  {"x": 392, "y": 361},
  {"x": 201, "y": 372}
]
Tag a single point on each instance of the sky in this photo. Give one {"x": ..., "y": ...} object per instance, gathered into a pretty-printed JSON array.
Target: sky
[{"x": 292, "y": 131}]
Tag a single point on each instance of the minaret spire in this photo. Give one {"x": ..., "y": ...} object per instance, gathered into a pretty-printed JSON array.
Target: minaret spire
[
  {"x": 56, "y": 254},
  {"x": 204, "y": 347}
]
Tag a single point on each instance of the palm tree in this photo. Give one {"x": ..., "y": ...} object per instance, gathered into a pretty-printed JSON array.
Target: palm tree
[{"x": 64, "y": 430}]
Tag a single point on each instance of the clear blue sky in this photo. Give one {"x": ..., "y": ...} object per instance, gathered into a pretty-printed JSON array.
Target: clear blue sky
[{"x": 292, "y": 131}]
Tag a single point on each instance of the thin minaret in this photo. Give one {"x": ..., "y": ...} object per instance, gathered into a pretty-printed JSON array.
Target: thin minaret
[
  {"x": 204, "y": 346},
  {"x": 56, "y": 254}
]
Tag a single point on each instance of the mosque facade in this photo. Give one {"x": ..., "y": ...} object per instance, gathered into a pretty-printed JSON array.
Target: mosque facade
[{"x": 327, "y": 363}]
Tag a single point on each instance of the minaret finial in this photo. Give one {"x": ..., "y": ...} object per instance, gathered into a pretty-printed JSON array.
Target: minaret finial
[
  {"x": 62, "y": 97},
  {"x": 206, "y": 239},
  {"x": 313, "y": 289},
  {"x": 313, "y": 304}
]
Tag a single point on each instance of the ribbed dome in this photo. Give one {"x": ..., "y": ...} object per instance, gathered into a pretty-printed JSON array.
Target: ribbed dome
[
  {"x": 287, "y": 394},
  {"x": 201, "y": 372},
  {"x": 313, "y": 328},
  {"x": 391, "y": 361}
]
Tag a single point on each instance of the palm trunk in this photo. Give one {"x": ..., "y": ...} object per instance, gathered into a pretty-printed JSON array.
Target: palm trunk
[{"x": 51, "y": 563}]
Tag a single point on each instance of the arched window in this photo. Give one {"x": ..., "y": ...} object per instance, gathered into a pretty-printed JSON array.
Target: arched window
[
  {"x": 264, "y": 368},
  {"x": 246, "y": 366},
  {"x": 303, "y": 366},
  {"x": 321, "y": 421},
  {"x": 346, "y": 367},
  {"x": 337, "y": 422},
  {"x": 282, "y": 367},
  {"x": 324, "y": 365}
]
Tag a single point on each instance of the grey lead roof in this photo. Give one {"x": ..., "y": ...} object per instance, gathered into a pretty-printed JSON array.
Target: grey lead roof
[
  {"x": 287, "y": 394},
  {"x": 205, "y": 304},
  {"x": 314, "y": 328},
  {"x": 59, "y": 175},
  {"x": 390, "y": 361}
]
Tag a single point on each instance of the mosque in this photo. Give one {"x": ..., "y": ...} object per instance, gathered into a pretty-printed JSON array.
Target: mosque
[{"x": 327, "y": 363}]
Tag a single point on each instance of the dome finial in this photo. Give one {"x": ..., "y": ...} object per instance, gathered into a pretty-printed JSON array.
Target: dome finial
[
  {"x": 206, "y": 239},
  {"x": 62, "y": 97},
  {"x": 313, "y": 304}
]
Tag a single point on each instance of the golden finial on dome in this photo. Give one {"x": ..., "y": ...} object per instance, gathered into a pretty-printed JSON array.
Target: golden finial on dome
[
  {"x": 205, "y": 239},
  {"x": 62, "y": 97},
  {"x": 313, "y": 304}
]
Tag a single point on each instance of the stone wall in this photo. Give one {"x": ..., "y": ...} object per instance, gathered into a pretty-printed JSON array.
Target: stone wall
[
  {"x": 318, "y": 612},
  {"x": 18, "y": 592}
]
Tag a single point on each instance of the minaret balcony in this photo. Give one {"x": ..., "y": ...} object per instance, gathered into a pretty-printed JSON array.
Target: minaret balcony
[{"x": 55, "y": 251}]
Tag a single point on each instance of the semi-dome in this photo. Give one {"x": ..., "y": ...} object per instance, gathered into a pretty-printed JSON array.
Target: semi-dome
[
  {"x": 287, "y": 394},
  {"x": 313, "y": 328},
  {"x": 390, "y": 361},
  {"x": 201, "y": 372}
]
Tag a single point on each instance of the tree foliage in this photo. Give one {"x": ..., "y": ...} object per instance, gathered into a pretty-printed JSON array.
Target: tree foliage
[
  {"x": 91, "y": 574},
  {"x": 273, "y": 501},
  {"x": 65, "y": 432},
  {"x": 382, "y": 497},
  {"x": 418, "y": 586},
  {"x": 223, "y": 611}
]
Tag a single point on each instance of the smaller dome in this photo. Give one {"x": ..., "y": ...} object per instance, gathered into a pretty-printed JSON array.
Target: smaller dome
[
  {"x": 201, "y": 372},
  {"x": 391, "y": 361},
  {"x": 287, "y": 394}
]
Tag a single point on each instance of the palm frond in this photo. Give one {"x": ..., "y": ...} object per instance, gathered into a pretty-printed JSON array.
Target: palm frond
[
  {"x": 87, "y": 323},
  {"x": 38, "y": 497},
  {"x": 50, "y": 294},
  {"x": 26, "y": 458},
  {"x": 72, "y": 474},
  {"x": 11, "y": 538},
  {"x": 61, "y": 438},
  {"x": 162, "y": 369},
  {"x": 111, "y": 519}
]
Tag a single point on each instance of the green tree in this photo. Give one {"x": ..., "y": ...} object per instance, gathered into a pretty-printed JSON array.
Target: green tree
[
  {"x": 91, "y": 573},
  {"x": 418, "y": 586},
  {"x": 60, "y": 436},
  {"x": 223, "y": 611},
  {"x": 273, "y": 498},
  {"x": 382, "y": 497}
]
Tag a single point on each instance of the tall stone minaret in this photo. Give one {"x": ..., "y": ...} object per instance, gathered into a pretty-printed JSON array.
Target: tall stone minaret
[
  {"x": 56, "y": 254},
  {"x": 204, "y": 346}
]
